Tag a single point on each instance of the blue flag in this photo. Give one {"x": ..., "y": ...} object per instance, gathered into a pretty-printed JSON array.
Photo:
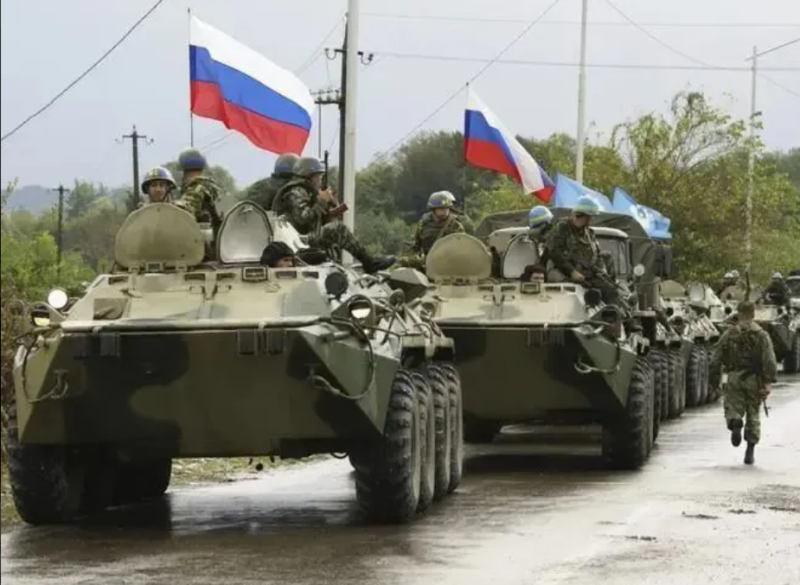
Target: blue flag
[
  {"x": 653, "y": 222},
  {"x": 568, "y": 191}
]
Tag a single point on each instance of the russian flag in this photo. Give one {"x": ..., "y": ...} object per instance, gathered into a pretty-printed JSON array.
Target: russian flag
[
  {"x": 247, "y": 92},
  {"x": 489, "y": 145}
]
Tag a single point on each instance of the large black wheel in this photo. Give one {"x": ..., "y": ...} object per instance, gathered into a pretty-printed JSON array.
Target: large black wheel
[
  {"x": 659, "y": 362},
  {"x": 694, "y": 378},
  {"x": 388, "y": 472},
  {"x": 427, "y": 427},
  {"x": 677, "y": 383},
  {"x": 705, "y": 359},
  {"x": 47, "y": 481},
  {"x": 437, "y": 379},
  {"x": 140, "y": 481},
  {"x": 627, "y": 439},
  {"x": 791, "y": 361},
  {"x": 456, "y": 416},
  {"x": 480, "y": 431}
]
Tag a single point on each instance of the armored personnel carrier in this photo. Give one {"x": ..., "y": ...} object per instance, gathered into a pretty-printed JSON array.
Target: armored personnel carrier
[
  {"x": 536, "y": 351},
  {"x": 783, "y": 325},
  {"x": 171, "y": 357}
]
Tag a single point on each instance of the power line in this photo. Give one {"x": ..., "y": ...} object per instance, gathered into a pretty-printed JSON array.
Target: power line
[
  {"x": 779, "y": 85},
  {"x": 315, "y": 54},
  {"x": 85, "y": 73},
  {"x": 399, "y": 16},
  {"x": 655, "y": 66},
  {"x": 452, "y": 96}
]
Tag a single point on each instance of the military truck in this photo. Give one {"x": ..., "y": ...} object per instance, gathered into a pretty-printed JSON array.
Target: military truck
[
  {"x": 783, "y": 325},
  {"x": 540, "y": 352},
  {"x": 168, "y": 357}
]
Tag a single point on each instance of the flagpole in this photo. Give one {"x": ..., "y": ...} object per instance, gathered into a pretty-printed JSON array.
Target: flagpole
[
  {"x": 191, "y": 114},
  {"x": 581, "y": 95}
]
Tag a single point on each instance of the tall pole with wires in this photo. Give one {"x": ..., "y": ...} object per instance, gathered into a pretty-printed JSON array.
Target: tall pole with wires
[
  {"x": 581, "y": 96},
  {"x": 350, "y": 92},
  {"x": 60, "y": 229},
  {"x": 134, "y": 138}
]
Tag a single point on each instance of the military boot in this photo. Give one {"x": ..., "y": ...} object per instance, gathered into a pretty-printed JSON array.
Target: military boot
[
  {"x": 371, "y": 264},
  {"x": 735, "y": 426},
  {"x": 749, "y": 455}
]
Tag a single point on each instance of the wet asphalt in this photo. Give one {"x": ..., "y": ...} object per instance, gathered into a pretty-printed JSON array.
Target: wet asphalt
[{"x": 533, "y": 509}]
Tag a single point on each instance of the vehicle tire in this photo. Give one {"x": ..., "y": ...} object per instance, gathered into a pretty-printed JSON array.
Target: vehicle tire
[
  {"x": 704, "y": 364},
  {"x": 456, "y": 426},
  {"x": 677, "y": 383},
  {"x": 427, "y": 427},
  {"x": 140, "y": 481},
  {"x": 694, "y": 378},
  {"x": 791, "y": 362},
  {"x": 659, "y": 362},
  {"x": 47, "y": 481},
  {"x": 626, "y": 440},
  {"x": 437, "y": 379},
  {"x": 481, "y": 431},
  {"x": 388, "y": 472}
]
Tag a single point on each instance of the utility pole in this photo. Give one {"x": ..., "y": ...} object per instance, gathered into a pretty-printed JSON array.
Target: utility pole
[
  {"x": 748, "y": 232},
  {"x": 60, "y": 229},
  {"x": 581, "y": 96},
  {"x": 135, "y": 137},
  {"x": 325, "y": 97}
]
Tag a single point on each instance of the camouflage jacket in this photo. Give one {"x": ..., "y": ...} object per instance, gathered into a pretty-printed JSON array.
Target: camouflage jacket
[
  {"x": 569, "y": 247},
  {"x": 463, "y": 219},
  {"x": 777, "y": 292},
  {"x": 199, "y": 196},
  {"x": 263, "y": 192},
  {"x": 428, "y": 231},
  {"x": 744, "y": 346},
  {"x": 299, "y": 201}
]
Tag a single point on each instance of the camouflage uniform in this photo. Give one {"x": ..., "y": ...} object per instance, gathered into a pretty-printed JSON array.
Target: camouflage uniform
[
  {"x": 427, "y": 232},
  {"x": 199, "y": 196},
  {"x": 263, "y": 192},
  {"x": 576, "y": 249},
  {"x": 300, "y": 203},
  {"x": 745, "y": 351},
  {"x": 777, "y": 293}
]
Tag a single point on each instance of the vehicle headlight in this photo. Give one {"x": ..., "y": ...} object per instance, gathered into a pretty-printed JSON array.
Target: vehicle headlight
[
  {"x": 57, "y": 298},
  {"x": 360, "y": 309}
]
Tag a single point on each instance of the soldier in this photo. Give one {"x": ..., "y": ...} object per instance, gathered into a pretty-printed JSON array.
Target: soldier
[
  {"x": 540, "y": 223},
  {"x": 777, "y": 293},
  {"x": 574, "y": 251},
  {"x": 733, "y": 287},
  {"x": 307, "y": 206},
  {"x": 263, "y": 192},
  {"x": 462, "y": 218},
  {"x": 437, "y": 222},
  {"x": 278, "y": 255},
  {"x": 158, "y": 184},
  {"x": 746, "y": 353},
  {"x": 199, "y": 193}
]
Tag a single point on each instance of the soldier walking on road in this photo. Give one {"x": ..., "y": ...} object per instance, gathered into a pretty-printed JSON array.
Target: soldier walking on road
[
  {"x": 263, "y": 192},
  {"x": 745, "y": 352},
  {"x": 308, "y": 208}
]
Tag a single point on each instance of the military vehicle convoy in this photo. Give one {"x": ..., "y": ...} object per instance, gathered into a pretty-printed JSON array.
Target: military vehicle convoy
[
  {"x": 170, "y": 356},
  {"x": 783, "y": 325},
  {"x": 535, "y": 351}
]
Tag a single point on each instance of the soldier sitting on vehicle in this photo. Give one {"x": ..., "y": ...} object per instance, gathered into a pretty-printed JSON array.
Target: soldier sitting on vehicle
[
  {"x": 158, "y": 185},
  {"x": 733, "y": 287},
  {"x": 263, "y": 192},
  {"x": 462, "y": 217},
  {"x": 278, "y": 255},
  {"x": 777, "y": 292},
  {"x": 199, "y": 193},
  {"x": 437, "y": 223},
  {"x": 540, "y": 223},
  {"x": 308, "y": 208}
]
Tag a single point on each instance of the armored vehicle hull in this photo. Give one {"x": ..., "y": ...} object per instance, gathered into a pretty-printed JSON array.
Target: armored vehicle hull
[
  {"x": 531, "y": 352},
  {"x": 168, "y": 357},
  {"x": 783, "y": 326}
]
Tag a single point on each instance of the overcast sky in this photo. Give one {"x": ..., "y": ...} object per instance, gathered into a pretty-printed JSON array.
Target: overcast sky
[{"x": 47, "y": 43}]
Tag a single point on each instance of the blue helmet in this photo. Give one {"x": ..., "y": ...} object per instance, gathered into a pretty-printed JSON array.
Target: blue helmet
[
  {"x": 192, "y": 159},
  {"x": 440, "y": 199},
  {"x": 587, "y": 205},
  {"x": 158, "y": 174},
  {"x": 538, "y": 216},
  {"x": 285, "y": 163}
]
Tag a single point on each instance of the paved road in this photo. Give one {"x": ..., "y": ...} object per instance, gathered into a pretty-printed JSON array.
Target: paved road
[{"x": 525, "y": 514}]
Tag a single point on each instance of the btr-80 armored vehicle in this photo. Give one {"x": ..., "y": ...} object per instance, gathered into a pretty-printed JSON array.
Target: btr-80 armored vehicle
[
  {"x": 531, "y": 351},
  {"x": 783, "y": 325},
  {"x": 169, "y": 357}
]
